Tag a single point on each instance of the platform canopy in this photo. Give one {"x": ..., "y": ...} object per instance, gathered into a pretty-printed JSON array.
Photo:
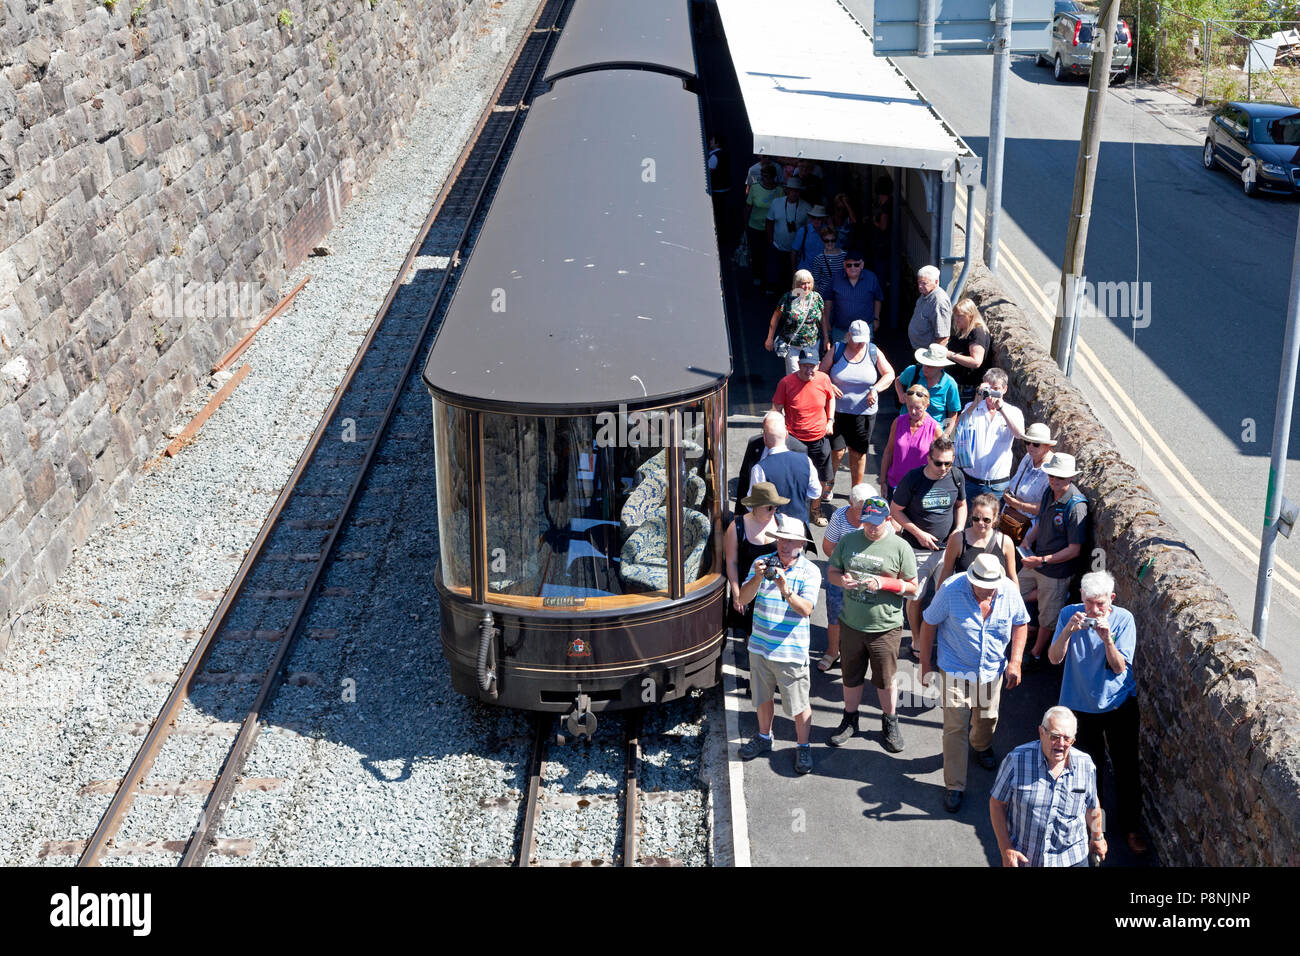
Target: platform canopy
[{"x": 813, "y": 88}]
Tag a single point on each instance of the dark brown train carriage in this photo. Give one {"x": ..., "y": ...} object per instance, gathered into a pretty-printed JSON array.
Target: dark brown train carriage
[{"x": 579, "y": 408}]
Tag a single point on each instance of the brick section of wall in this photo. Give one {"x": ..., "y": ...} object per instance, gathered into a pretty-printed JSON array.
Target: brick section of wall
[
  {"x": 1220, "y": 738},
  {"x": 146, "y": 149}
]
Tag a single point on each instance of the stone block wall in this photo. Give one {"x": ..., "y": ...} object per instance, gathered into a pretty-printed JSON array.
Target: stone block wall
[
  {"x": 1220, "y": 737},
  {"x": 152, "y": 153}
]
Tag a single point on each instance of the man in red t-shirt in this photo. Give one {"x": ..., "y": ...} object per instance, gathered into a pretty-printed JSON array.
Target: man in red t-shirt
[{"x": 808, "y": 403}]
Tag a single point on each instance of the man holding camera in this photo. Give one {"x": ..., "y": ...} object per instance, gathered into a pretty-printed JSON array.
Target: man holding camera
[
  {"x": 785, "y": 590},
  {"x": 1096, "y": 640},
  {"x": 984, "y": 435},
  {"x": 877, "y": 571}
]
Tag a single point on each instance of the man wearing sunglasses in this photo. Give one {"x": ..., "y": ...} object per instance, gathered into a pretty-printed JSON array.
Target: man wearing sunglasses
[
  {"x": 928, "y": 504},
  {"x": 1044, "y": 804}
]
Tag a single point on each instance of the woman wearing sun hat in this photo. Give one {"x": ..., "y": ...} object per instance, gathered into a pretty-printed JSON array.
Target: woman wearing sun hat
[
  {"x": 747, "y": 539},
  {"x": 1025, "y": 492}
]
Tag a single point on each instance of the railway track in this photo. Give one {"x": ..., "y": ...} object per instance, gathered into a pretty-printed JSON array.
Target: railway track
[
  {"x": 241, "y": 660},
  {"x": 630, "y": 801}
]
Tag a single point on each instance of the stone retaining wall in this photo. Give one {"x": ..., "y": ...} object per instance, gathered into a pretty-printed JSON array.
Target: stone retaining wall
[
  {"x": 1220, "y": 745},
  {"x": 163, "y": 166}
]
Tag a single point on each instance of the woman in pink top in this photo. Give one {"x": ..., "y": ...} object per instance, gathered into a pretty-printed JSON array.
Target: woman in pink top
[{"x": 909, "y": 439}]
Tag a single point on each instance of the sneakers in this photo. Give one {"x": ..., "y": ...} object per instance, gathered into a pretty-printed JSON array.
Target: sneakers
[
  {"x": 803, "y": 760},
  {"x": 892, "y": 737},
  {"x": 754, "y": 746},
  {"x": 987, "y": 759},
  {"x": 845, "y": 731}
]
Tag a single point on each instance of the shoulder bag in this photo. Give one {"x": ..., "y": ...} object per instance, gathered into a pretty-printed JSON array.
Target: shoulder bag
[{"x": 1013, "y": 522}]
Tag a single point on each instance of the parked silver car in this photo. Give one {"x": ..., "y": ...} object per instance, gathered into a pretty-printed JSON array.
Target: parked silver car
[{"x": 1070, "y": 53}]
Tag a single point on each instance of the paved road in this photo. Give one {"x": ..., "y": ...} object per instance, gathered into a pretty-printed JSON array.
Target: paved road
[{"x": 1201, "y": 378}]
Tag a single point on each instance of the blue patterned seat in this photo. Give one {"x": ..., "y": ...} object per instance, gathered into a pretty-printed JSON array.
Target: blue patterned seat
[{"x": 645, "y": 552}]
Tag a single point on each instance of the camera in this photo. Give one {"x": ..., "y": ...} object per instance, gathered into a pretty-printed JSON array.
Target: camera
[
  {"x": 771, "y": 570},
  {"x": 984, "y": 391},
  {"x": 1090, "y": 621},
  {"x": 782, "y": 348}
]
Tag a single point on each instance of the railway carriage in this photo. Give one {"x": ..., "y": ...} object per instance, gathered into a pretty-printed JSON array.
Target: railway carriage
[{"x": 579, "y": 392}]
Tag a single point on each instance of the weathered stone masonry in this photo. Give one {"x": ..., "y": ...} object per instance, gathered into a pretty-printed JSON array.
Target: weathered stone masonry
[
  {"x": 190, "y": 142},
  {"x": 1220, "y": 745}
]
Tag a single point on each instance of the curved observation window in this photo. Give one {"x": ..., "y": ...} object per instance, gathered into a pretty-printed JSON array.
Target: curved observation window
[{"x": 575, "y": 510}]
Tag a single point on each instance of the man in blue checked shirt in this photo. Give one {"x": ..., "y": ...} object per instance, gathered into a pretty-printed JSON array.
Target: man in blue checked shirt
[
  {"x": 1040, "y": 798},
  {"x": 978, "y": 616}
]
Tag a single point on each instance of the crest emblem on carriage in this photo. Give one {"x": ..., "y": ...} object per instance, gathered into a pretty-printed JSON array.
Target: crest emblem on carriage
[{"x": 579, "y": 648}]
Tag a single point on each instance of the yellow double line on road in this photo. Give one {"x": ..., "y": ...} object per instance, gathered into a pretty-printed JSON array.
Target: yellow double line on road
[{"x": 1165, "y": 461}]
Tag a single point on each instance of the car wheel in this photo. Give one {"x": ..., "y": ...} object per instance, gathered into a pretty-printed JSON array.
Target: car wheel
[
  {"x": 1040, "y": 60},
  {"x": 1058, "y": 70},
  {"x": 1207, "y": 154},
  {"x": 1248, "y": 184},
  {"x": 1120, "y": 78}
]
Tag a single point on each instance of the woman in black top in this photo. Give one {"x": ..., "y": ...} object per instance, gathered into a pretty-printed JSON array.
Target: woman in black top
[
  {"x": 969, "y": 348},
  {"x": 965, "y": 545},
  {"x": 744, "y": 542}
]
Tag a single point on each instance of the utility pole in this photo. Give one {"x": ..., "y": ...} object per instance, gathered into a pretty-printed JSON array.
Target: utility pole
[
  {"x": 1085, "y": 174},
  {"x": 997, "y": 132},
  {"x": 1277, "y": 515}
]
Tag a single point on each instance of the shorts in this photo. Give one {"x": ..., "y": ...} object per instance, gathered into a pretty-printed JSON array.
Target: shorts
[
  {"x": 928, "y": 565},
  {"x": 834, "y": 603},
  {"x": 1052, "y": 593},
  {"x": 876, "y": 648},
  {"x": 853, "y": 431},
  {"x": 794, "y": 681},
  {"x": 819, "y": 453}
]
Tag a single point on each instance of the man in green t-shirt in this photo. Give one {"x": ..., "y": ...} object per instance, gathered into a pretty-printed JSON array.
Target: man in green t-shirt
[{"x": 877, "y": 570}]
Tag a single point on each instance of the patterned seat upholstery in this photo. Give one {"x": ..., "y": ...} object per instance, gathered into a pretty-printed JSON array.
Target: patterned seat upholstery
[
  {"x": 645, "y": 552},
  {"x": 646, "y": 499}
]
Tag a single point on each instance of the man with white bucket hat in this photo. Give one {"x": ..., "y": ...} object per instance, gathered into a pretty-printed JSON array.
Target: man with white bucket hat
[{"x": 978, "y": 617}]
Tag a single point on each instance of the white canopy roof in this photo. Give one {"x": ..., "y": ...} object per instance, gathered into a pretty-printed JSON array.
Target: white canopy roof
[{"x": 813, "y": 87}]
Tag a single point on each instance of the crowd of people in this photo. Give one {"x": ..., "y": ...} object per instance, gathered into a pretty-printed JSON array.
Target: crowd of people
[{"x": 975, "y": 553}]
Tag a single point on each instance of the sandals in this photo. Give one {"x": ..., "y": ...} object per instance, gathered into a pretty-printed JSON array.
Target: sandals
[
  {"x": 827, "y": 662},
  {"x": 819, "y": 520}
]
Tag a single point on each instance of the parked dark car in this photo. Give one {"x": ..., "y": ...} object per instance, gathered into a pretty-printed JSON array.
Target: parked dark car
[
  {"x": 1070, "y": 53},
  {"x": 1260, "y": 142}
]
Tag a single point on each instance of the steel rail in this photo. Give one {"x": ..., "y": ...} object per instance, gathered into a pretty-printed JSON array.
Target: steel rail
[
  {"x": 537, "y": 763},
  {"x": 197, "y": 846},
  {"x": 631, "y": 793}
]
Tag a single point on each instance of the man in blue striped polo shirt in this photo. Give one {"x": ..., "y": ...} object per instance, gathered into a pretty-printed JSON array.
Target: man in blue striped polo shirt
[
  {"x": 785, "y": 592},
  {"x": 1041, "y": 795},
  {"x": 978, "y": 616}
]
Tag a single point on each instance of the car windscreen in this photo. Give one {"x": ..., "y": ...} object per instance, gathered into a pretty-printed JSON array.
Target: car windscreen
[
  {"x": 1086, "y": 30},
  {"x": 1282, "y": 130}
]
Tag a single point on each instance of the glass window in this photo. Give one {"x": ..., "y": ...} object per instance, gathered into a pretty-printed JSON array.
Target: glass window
[
  {"x": 451, "y": 429},
  {"x": 699, "y": 483},
  {"x": 576, "y": 507},
  {"x": 1284, "y": 130}
]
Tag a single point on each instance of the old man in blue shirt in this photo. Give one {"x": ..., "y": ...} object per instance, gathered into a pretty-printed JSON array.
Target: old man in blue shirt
[
  {"x": 1044, "y": 803},
  {"x": 978, "y": 617}
]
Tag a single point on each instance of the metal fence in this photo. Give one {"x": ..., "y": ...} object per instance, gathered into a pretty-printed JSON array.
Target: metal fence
[{"x": 1211, "y": 61}]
